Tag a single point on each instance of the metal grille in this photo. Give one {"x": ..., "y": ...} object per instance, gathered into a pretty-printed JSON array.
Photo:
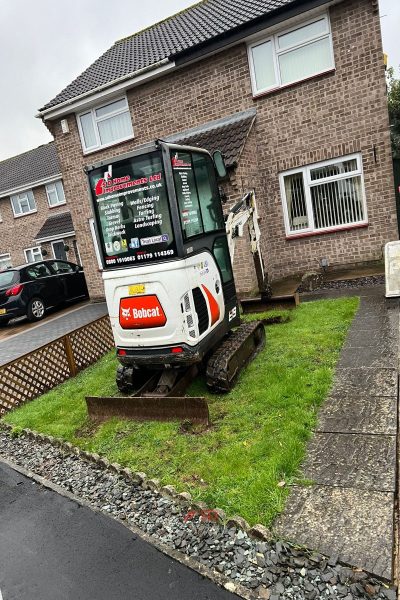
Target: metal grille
[
  {"x": 43, "y": 369},
  {"x": 200, "y": 305}
]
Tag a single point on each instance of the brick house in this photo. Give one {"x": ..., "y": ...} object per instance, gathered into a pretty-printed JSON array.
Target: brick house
[
  {"x": 292, "y": 91},
  {"x": 35, "y": 222}
]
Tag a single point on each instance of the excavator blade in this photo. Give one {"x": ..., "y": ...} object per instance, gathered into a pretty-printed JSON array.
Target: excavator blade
[{"x": 149, "y": 408}]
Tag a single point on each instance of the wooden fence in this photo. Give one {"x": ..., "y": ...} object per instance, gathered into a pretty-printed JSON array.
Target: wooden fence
[{"x": 46, "y": 367}]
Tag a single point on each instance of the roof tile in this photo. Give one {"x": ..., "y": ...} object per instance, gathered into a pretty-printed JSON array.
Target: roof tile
[
  {"x": 198, "y": 24},
  {"x": 29, "y": 167},
  {"x": 58, "y": 224}
]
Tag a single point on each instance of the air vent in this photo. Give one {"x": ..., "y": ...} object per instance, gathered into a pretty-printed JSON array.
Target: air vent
[
  {"x": 200, "y": 305},
  {"x": 186, "y": 300},
  {"x": 189, "y": 320},
  {"x": 192, "y": 333}
]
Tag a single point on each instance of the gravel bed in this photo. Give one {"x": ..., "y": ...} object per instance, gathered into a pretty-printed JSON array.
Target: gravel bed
[
  {"x": 270, "y": 570},
  {"x": 346, "y": 283}
]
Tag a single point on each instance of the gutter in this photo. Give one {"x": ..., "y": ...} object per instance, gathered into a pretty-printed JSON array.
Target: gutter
[
  {"x": 133, "y": 75},
  {"x": 54, "y": 238},
  {"x": 30, "y": 185},
  {"x": 184, "y": 57}
]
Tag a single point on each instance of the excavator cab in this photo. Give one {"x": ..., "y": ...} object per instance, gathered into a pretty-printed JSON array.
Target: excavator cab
[{"x": 167, "y": 270}]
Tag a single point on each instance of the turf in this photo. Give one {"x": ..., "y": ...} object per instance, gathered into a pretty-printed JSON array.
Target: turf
[{"x": 246, "y": 461}]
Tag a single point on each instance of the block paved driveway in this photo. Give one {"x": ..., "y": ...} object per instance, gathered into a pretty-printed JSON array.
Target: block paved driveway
[
  {"x": 28, "y": 337},
  {"x": 51, "y": 548}
]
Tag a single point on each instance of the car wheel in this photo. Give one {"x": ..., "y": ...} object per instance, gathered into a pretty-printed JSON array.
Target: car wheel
[
  {"x": 36, "y": 309},
  {"x": 4, "y": 322}
]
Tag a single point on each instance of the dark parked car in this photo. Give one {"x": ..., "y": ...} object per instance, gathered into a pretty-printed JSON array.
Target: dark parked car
[{"x": 31, "y": 289}]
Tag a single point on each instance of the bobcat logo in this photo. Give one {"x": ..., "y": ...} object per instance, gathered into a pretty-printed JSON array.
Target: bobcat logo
[{"x": 126, "y": 313}]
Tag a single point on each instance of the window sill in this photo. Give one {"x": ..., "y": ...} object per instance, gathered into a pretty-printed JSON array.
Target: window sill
[
  {"x": 57, "y": 205},
  {"x": 31, "y": 212},
  {"x": 100, "y": 148},
  {"x": 296, "y": 236},
  {"x": 274, "y": 90}
]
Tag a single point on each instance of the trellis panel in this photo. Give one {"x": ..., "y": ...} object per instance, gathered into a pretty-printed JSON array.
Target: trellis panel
[{"x": 46, "y": 367}]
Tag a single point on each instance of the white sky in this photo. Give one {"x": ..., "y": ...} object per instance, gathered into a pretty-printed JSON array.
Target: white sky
[{"x": 45, "y": 44}]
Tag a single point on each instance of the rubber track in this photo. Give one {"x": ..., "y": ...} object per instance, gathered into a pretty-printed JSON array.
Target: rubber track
[{"x": 234, "y": 348}]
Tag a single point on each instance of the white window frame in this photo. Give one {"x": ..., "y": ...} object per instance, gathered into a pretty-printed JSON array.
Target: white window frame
[
  {"x": 95, "y": 120},
  {"x": 3, "y": 257},
  {"x": 33, "y": 249},
  {"x": 53, "y": 185},
  {"x": 276, "y": 52},
  {"x": 20, "y": 196},
  {"x": 309, "y": 183}
]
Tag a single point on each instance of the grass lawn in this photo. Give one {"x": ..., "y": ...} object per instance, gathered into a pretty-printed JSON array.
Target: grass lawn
[{"x": 259, "y": 430}]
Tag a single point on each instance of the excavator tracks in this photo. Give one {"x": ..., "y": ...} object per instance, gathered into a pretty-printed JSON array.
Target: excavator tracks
[{"x": 236, "y": 351}]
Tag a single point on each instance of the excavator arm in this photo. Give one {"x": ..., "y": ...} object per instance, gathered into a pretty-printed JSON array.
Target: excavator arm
[{"x": 241, "y": 214}]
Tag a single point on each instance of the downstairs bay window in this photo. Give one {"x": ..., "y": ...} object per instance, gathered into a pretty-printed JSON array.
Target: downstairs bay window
[{"x": 324, "y": 196}]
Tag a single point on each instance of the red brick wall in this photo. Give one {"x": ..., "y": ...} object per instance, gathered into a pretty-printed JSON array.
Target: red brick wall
[
  {"x": 325, "y": 117},
  {"x": 17, "y": 234}
]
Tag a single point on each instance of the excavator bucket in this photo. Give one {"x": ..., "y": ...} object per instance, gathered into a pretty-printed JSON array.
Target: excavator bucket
[{"x": 149, "y": 408}]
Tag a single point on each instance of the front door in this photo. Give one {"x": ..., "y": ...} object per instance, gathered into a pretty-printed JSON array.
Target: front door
[{"x": 59, "y": 250}]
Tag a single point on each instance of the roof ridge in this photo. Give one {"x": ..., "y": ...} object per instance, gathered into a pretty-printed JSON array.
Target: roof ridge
[
  {"x": 180, "y": 12},
  {"x": 26, "y": 152}
]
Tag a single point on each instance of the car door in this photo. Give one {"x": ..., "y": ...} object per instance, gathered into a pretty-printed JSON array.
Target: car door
[
  {"x": 71, "y": 278},
  {"x": 42, "y": 284}
]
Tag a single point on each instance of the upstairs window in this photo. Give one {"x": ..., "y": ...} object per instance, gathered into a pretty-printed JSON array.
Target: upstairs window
[
  {"x": 291, "y": 55},
  {"x": 23, "y": 204},
  {"x": 55, "y": 194},
  {"x": 324, "y": 196},
  {"x": 105, "y": 125}
]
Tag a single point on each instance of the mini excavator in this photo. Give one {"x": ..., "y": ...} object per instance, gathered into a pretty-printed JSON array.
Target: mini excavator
[{"x": 167, "y": 253}]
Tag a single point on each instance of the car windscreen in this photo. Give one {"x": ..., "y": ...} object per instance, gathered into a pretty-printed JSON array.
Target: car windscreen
[
  {"x": 132, "y": 211},
  {"x": 8, "y": 278}
]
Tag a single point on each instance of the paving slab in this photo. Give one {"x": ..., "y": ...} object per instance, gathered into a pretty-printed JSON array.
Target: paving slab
[
  {"x": 358, "y": 413},
  {"x": 375, "y": 382},
  {"x": 352, "y": 457},
  {"x": 361, "y": 338},
  {"x": 352, "y": 460},
  {"x": 356, "y": 525},
  {"x": 377, "y": 356}
]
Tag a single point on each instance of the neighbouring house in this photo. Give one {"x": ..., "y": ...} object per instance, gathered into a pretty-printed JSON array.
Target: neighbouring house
[
  {"x": 35, "y": 221},
  {"x": 292, "y": 91}
]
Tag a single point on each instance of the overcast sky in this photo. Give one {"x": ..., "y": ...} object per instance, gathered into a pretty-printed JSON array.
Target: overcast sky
[{"x": 45, "y": 44}]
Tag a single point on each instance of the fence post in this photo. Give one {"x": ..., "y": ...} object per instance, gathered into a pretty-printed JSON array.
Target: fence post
[{"x": 70, "y": 356}]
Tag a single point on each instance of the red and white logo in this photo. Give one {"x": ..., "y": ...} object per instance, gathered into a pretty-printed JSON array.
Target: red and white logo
[
  {"x": 141, "y": 312},
  {"x": 102, "y": 183}
]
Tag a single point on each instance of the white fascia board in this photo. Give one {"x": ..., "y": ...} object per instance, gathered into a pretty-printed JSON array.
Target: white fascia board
[
  {"x": 30, "y": 186},
  {"x": 102, "y": 93},
  {"x": 54, "y": 238}
]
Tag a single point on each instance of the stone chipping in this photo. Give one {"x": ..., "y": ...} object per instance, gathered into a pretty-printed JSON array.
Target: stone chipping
[{"x": 267, "y": 569}]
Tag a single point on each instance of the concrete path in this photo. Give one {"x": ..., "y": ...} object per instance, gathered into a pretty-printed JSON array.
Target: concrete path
[
  {"x": 14, "y": 346},
  {"x": 349, "y": 511},
  {"x": 54, "y": 549}
]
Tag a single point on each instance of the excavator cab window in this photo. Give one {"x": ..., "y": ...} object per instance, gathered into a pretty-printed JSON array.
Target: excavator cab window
[
  {"x": 197, "y": 193},
  {"x": 221, "y": 255},
  {"x": 132, "y": 211}
]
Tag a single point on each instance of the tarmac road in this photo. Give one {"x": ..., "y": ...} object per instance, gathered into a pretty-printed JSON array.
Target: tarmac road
[{"x": 54, "y": 549}]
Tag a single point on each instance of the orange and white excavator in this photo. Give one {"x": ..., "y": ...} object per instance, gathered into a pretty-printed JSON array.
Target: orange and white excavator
[{"x": 167, "y": 251}]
